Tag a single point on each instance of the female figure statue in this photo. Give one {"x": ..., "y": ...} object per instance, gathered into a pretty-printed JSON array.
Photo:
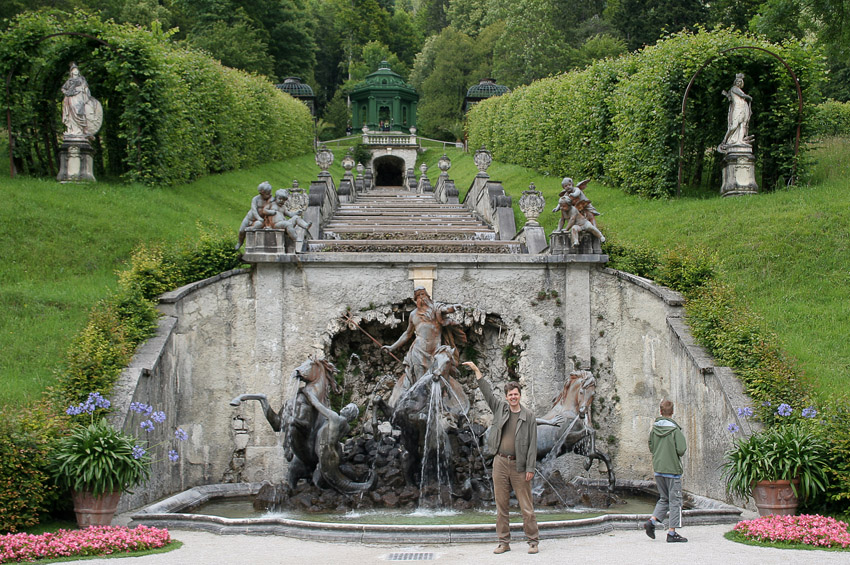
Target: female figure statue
[
  {"x": 81, "y": 114},
  {"x": 738, "y": 121}
]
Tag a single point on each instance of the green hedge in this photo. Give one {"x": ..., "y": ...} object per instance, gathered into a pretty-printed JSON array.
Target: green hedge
[
  {"x": 170, "y": 114},
  {"x": 832, "y": 119},
  {"x": 620, "y": 120}
]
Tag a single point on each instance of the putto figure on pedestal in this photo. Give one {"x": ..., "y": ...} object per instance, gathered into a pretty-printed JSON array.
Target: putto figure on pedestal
[
  {"x": 576, "y": 211},
  {"x": 82, "y": 115},
  {"x": 739, "y": 176}
]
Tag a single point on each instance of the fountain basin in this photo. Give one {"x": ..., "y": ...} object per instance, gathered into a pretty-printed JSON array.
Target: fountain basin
[{"x": 175, "y": 512}]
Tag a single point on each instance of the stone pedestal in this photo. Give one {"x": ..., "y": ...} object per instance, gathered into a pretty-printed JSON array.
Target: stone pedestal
[
  {"x": 739, "y": 172},
  {"x": 588, "y": 244},
  {"x": 75, "y": 161}
]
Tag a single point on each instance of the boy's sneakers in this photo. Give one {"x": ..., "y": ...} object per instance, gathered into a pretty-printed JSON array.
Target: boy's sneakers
[
  {"x": 649, "y": 528},
  {"x": 675, "y": 537}
]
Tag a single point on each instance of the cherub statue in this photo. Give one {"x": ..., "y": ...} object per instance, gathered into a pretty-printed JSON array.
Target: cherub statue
[
  {"x": 575, "y": 196},
  {"x": 255, "y": 218},
  {"x": 576, "y": 222},
  {"x": 276, "y": 216}
]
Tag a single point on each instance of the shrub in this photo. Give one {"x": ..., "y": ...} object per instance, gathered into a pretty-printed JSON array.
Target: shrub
[
  {"x": 831, "y": 118},
  {"x": 26, "y": 491}
]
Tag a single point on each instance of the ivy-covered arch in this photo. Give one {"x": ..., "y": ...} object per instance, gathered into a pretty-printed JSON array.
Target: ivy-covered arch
[{"x": 708, "y": 62}]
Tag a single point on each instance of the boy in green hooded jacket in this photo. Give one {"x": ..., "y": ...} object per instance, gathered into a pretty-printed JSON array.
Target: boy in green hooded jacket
[{"x": 667, "y": 444}]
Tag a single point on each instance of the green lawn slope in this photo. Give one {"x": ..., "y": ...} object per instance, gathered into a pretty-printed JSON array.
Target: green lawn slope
[
  {"x": 786, "y": 253},
  {"x": 61, "y": 245}
]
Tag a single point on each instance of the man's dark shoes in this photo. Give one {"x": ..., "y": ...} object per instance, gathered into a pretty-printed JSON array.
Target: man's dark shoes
[
  {"x": 649, "y": 528},
  {"x": 675, "y": 538}
]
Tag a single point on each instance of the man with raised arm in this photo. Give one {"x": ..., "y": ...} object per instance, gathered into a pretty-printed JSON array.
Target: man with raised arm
[{"x": 513, "y": 441}]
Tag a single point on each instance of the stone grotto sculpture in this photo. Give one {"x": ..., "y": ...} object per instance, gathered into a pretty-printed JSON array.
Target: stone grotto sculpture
[
  {"x": 311, "y": 429},
  {"x": 429, "y": 329}
]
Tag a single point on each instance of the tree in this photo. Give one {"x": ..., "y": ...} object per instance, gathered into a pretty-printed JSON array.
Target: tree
[
  {"x": 338, "y": 115},
  {"x": 531, "y": 46},
  {"x": 432, "y": 16},
  {"x": 642, "y": 22},
  {"x": 236, "y": 43},
  {"x": 453, "y": 62}
]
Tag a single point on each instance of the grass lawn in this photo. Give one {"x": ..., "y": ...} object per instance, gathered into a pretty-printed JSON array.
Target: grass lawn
[{"x": 786, "y": 253}]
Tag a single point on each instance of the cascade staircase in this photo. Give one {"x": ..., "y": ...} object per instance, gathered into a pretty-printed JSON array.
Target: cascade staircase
[{"x": 395, "y": 220}]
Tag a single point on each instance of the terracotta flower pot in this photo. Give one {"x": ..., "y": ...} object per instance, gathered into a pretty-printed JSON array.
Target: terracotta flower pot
[
  {"x": 95, "y": 510},
  {"x": 775, "y": 497}
]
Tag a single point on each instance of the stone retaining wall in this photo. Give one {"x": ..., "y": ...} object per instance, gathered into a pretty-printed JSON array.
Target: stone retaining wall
[{"x": 245, "y": 331}]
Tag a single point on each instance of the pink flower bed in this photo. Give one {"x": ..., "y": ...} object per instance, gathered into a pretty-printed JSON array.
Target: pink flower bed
[
  {"x": 812, "y": 529},
  {"x": 94, "y": 540}
]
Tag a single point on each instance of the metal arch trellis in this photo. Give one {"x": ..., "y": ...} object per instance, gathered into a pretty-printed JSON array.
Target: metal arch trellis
[
  {"x": 691, "y": 83},
  {"x": 9, "y": 82}
]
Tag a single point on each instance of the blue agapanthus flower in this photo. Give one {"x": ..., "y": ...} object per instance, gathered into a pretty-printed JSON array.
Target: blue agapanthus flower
[
  {"x": 158, "y": 417},
  {"x": 141, "y": 408},
  {"x": 784, "y": 410},
  {"x": 138, "y": 452},
  {"x": 733, "y": 428},
  {"x": 172, "y": 456},
  {"x": 181, "y": 434},
  {"x": 809, "y": 412},
  {"x": 745, "y": 412},
  {"x": 147, "y": 425}
]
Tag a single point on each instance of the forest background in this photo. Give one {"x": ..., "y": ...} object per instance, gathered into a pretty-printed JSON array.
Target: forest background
[{"x": 442, "y": 47}]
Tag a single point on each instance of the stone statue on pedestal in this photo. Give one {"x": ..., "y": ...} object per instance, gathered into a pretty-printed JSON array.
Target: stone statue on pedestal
[
  {"x": 82, "y": 115},
  {"x": 738, "y": 173}
]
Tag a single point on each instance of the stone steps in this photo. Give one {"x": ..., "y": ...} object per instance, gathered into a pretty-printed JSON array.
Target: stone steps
[{"x": 391, "y": 220}]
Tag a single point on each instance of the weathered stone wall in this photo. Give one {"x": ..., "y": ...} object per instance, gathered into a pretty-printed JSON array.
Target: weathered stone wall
[{"x": 246, "y": 332}]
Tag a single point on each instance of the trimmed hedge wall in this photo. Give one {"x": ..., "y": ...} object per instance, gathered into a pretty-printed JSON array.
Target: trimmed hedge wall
[
  {"x": 620, "y": 120},
  {"x": 170, "y": 114}
]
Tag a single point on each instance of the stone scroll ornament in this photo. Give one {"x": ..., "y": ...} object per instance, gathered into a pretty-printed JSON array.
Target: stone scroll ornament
[{"x": 82, "y": 114}]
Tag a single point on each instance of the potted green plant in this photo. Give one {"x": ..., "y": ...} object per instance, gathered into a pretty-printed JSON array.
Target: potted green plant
[
  {"x": 777, "y": 466},
  {"x": 98, "y": 462}
]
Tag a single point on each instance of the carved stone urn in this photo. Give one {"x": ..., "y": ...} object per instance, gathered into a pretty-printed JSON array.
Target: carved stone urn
[
  {"x": 444, "y": 164},
  {"x": 297, "y": 199},
  {"x": 531, "y": 203},
  {"x": 324, "y": 158},
  {"x": 482, "y": 160}
]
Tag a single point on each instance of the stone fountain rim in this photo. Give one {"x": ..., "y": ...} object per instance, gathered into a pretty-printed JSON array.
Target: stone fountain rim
[{"x": 165, "y": 514}]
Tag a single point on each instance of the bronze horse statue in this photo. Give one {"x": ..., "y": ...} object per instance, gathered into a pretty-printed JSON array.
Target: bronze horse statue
[
  {"x": 574, "y": 432},
  {"x": 302, "y": 424}
]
